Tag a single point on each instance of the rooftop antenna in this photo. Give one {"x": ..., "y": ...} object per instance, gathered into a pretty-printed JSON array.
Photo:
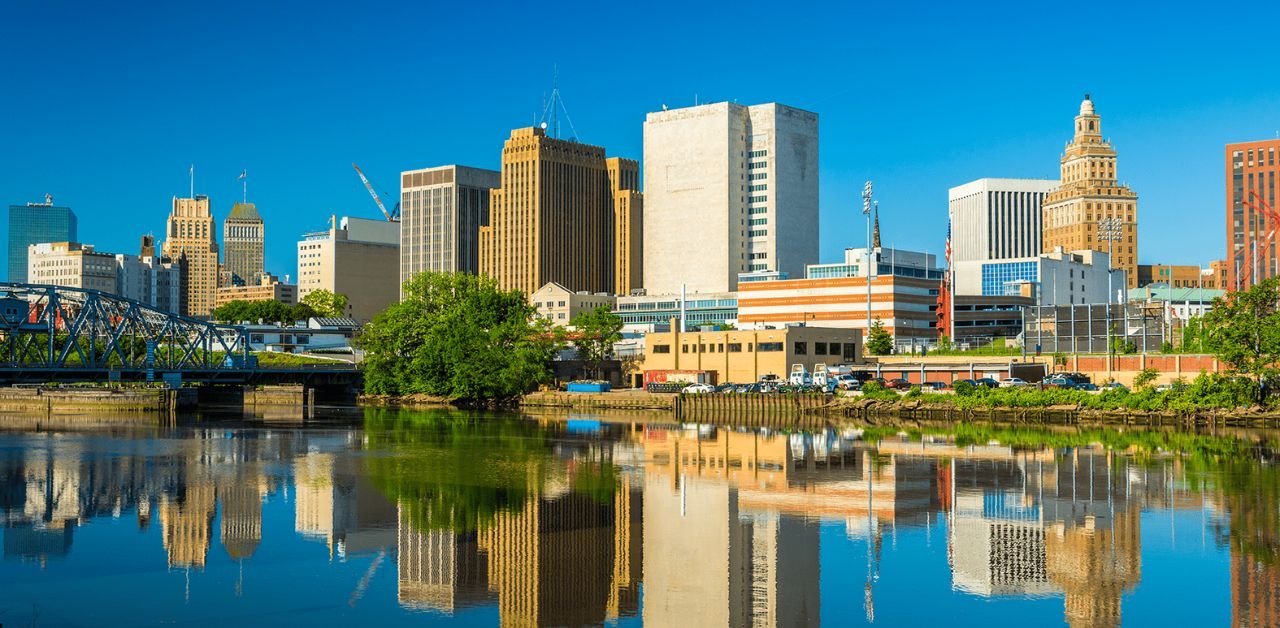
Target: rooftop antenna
[
  {"x": 193, "y": 181},
  {"x": 552, "y": 108}
]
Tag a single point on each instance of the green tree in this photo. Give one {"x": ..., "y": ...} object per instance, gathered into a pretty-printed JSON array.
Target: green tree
[
  {"x": 595, "y": 332},
  {"x": 325, "y": 303},
  {"x": 1193, "y": 335},
  {"x": 1145, "y": 377},
  {"x": 1243, "y": 329},
  {"x": 879, "y": 342},
  {"x": 266, "y": 310},
  {"x": 458, "y": 336}
]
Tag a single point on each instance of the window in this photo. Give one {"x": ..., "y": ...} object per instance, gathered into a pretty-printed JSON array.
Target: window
[
  {"x": 662, "y": 348},
  {"x": 756, "y": 233},
  {"x": 758, "y": 153},
  {"x": 304, "y": 339},
  {"x": 734, "y": 347},
  {"x": 759, "y": 221},
  {"x": 759, "y": 210},
  {"x": 770, "y": 346},
  {"x": 802, "y": 348},
  {"x": 712, "y": 348},
  {"x": 758, "y": 199},
  {"x": 820, "y": 348},
  {"x": 756, "y": 176},
  {"x": 759, "y": 187},
  {"x": 684, "y": 348},
  {"x": 702, "y": 348},
  {"x": 850, "y": 352}
]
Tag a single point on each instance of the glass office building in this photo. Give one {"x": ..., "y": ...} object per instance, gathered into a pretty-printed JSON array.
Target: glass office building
[{"x": 35, "y": 223}]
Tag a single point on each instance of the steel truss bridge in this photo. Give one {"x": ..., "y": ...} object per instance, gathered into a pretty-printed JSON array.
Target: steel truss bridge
[{"x": 56, "y": 333}]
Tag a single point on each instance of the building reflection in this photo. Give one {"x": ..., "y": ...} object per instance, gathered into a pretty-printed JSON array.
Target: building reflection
[{"x": 716, "y": 526}]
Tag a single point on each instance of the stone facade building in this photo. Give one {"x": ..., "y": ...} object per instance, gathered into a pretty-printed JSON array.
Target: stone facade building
[
  {"x": 191, "y": 232},
  {"x": 1089, "y": 193},
  {"x": 243, "y": 238}
]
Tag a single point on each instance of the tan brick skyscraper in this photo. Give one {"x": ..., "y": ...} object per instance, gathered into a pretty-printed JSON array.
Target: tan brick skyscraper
[
  {"x": 1089, "y": 193},
  {"x": 628, "y": 224},
  {"x": 552, "y": 219},
  {"x": 191, "y": 230}
]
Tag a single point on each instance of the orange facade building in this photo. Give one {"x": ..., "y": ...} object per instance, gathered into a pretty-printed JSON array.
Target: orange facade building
[{"x": 1252, "y": 171}]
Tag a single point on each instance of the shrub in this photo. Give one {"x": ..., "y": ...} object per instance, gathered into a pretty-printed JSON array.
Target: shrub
[{"x": 1145, "y": 377}]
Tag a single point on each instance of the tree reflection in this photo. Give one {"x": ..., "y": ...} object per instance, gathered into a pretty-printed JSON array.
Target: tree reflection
[{"x": 454, "y": 470}]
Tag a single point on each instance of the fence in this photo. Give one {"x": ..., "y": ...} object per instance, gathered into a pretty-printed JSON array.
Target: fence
[{"x": 1092, "y": 328}]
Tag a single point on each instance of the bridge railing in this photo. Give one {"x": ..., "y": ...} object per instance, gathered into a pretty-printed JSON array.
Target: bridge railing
[{"x": 45, "y": 326}]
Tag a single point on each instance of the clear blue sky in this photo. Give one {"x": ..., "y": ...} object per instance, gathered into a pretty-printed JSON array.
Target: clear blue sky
[{"x": 105, "y": 104}]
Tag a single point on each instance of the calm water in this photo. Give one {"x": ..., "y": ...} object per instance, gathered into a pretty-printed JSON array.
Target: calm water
[{"x": 426, "y": 518}]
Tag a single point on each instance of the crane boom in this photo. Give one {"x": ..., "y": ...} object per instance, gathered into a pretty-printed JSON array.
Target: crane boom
[
  {"x": 1261, "y": 208},
  {"x": 369, "y": 186}
]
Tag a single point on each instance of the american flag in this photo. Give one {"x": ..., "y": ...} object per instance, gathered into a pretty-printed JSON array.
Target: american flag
[{"x": 244, "y": 174}]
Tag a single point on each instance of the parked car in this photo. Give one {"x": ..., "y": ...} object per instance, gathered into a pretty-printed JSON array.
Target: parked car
[
  {"x": 1171, "y": 387},
  {"x": 747, "y": 388},
  {"x": 897, "y": 383},
  {"x": 934, "y": 386},
  {"x": 1058, "y": 381},
  {"x": 698, "y": 389},
  {"x": 1087, "y": 386},
  {"x": 1115, "y": 386},
  {"x": 987, "y": 381},
  {"x": 725, "y": 388},
  {"x": 848, "y": 382},
  {"x": 1012, "y": 382}
]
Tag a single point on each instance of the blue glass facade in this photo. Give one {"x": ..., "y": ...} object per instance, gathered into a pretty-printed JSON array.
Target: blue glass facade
[
  {"x": 33, "y": 224},
  {"x": 997, "y": 278},
  {"x": 698, "y": 312}
]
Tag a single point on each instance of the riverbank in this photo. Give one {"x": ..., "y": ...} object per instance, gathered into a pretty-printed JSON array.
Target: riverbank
[{"x": 58, "y": 400}]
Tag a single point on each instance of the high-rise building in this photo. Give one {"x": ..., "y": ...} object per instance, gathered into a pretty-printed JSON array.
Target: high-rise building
[
  {"x": 191, "y": 232},
  {"x": 243, "y": 237},
  {"x": 1089, "y": 192},
  {"x": 628, "y": 224},
  {"x": 441, "y": 211},
  {"x": 729, "y": 189},
  {"x": 993, "y": 219},
  {"x": 551, "y": 219},
  {"x": 36, "y": 223},
  {"x": 1252, "y": 171},
  {"x": 358, "y": 258}
]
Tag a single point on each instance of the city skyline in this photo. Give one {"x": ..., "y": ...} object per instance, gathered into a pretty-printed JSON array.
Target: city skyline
[{"x": 976, "y": 112}]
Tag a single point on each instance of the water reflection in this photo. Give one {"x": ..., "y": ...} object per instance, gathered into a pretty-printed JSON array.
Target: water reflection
[{"x": 551, "y": 522}]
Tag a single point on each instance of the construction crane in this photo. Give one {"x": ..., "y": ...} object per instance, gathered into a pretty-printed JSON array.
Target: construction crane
[
  {"x": 1274, "y": 218},
  {"x": 394, "y": 214}
]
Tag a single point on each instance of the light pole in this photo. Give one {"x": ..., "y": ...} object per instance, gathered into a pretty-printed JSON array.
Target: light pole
[
  {"x": 866, "y": 211},
  {"x": 1109, "y": 229}
]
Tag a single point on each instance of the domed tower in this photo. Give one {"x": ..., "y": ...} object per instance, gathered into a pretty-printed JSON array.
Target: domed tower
[{"x": 1089, "y": 193}]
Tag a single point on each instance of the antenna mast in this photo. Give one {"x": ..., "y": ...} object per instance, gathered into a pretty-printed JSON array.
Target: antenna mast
[
  {"x": 193, "y": 181},
  {"x": 552, "y": 108}
]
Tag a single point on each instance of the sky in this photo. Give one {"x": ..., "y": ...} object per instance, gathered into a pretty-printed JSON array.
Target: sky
[{"x": 106, "y": 105}]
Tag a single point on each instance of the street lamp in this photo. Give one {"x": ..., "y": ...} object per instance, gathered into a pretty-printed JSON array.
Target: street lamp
[
  {"x": 866, "y": 211},
  {"x": 1109, "y": 229}
]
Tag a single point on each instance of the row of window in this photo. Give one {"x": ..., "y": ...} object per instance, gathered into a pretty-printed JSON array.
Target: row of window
[
  {"x": 758, "y": 233},
  {"x": 756, "y": 176},
  {"x": 759, "y": 187},
  {"x": 759, "y": 221},
  {"x": 758, "y": 153},
  {"x": 758, "y": 199}
]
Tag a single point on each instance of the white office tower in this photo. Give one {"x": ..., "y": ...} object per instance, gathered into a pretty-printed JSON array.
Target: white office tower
[
  {"x": 994, "y": 219},
  {"x": 729, "y": 189}
]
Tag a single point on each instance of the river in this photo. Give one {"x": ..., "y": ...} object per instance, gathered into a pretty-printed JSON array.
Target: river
[{"x": 444, "y": 517}]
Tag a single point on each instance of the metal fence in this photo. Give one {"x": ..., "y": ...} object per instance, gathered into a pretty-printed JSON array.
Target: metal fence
[{"x": 1084, "y": 328}]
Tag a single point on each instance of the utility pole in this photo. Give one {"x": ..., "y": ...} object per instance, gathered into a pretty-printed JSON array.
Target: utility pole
[{"x": 866, "y": 211}]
